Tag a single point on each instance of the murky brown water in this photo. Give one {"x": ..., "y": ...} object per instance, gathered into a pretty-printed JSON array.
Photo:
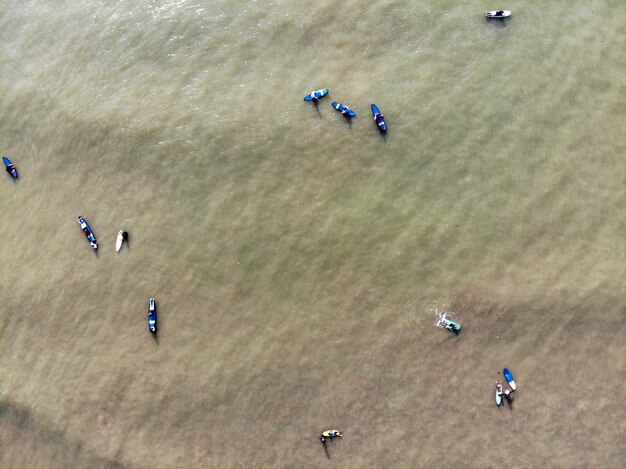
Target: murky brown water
[{"x": 296, "y": 257}]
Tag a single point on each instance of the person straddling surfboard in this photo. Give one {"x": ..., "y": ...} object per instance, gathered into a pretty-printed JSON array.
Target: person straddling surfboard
[{"x": 329, "y": 435}]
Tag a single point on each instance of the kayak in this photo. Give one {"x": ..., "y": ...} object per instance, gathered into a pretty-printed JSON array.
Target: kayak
[
  {"x": 316, "y": 94},
  {"x": 379, "y": 118},
  {"x": 10, "y": 167},
  {"x": 152, "y": 316},
  {"x": 497, "y": 14},
  {"x": 87, "y": 230},
  {"x": 345, "y": 110},
  {"x": 509, "y": 378},
  {"x": 499, "y": 394}
]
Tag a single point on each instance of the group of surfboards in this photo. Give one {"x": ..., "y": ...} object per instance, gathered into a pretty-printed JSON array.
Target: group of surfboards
[
  {"x": 122, "y": 237},
  {"x": 379, "y": 119},
  {"x": 501, "y": 393}
]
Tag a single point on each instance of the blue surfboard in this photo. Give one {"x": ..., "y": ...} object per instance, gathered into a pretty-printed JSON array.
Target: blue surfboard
[
  {"x": 316, "y": 94},
  {"x": 152, "y": 316},
  {"x": 88, "y": 233},
  {"x": 10, "y": 167},
  {"x": 345, "y": 110},
  {"x": 379, "y": 118},
  {"x": 509, "y": 378}
]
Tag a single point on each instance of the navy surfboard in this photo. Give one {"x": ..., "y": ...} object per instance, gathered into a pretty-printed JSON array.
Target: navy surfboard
[
  {"x": 379, "y": 118},
  {"x": 10, "y": 167},
  {"x": 88, "y": 233},
  {"x": 316, "y": 94},
  {"x": 152, "y": 316},
  {"x": 345, "y": 110}
]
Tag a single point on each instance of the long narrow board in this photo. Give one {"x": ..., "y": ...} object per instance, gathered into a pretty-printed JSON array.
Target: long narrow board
[
  {"x": 497, "y": 14},
  {"x": 379, "y": 118},
  {"x": 345, "y": 110},
  {"x": 509, "y": 378},
  {"x": 499, "y": 395},
  {"x": 8, "y": 163},
  {"x": 318, "y": 94},
  {"x": 119, "y": 241}
]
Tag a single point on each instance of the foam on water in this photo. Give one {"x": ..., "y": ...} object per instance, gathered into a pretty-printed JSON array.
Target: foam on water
[{"x": 441, "y": 318}]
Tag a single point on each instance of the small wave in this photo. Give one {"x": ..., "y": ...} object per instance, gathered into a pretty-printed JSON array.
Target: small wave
[{"x": 442, "y": 315}]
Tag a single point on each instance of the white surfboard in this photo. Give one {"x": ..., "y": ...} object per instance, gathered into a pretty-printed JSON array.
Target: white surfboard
[
  {"x": 119, "y": 241},
  {"x": 497, "y": 14},
  {"x": 499, "y": 394}
]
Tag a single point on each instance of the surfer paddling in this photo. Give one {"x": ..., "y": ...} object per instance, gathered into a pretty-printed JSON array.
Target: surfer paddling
[{"x": 329, "y": 435}]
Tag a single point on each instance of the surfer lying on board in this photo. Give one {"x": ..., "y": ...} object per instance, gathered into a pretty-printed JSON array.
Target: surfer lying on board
[
  {"x": 313, "y": 97},
  {"x": 10, "y": 168},
  {"x": 329, "y": 435},
  {"x": 499, "y": 388}
]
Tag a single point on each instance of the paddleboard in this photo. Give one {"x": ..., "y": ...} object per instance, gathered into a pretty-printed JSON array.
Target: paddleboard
[
  {"x": 509, "y": 378},
  {"x": 88, "y": 233},
  {"x": 379, "y": 118},
  {"x": 152, "y": 316},
  {"x": 119, "y": 241},
  {"x": 8, "y": 164},
  {"x": 497, "y": 14},
  {"x": 451, "y": 325},
  {"x": 318, "y": 94},
  {"x": 499, "y": 394},
  {"x": 345, "y": 110}
]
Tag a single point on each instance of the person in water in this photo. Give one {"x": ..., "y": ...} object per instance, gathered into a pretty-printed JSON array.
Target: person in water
[
  {"x": 499, "y": 388},
  {"x": 330, "y": 434}
]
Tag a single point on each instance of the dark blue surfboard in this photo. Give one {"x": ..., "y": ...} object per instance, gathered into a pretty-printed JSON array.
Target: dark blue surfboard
[
  {"x": 10, "y": 167},
  {"x": 317, "y": 94},
  {"x": 88, "y": 233},
  {"x": 345, "y": 110},
  {"x": 379, "y": 118},
  {"x": 152, "y": 316}
]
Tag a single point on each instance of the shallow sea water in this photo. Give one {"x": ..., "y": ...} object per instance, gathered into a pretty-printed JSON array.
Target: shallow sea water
[{"x": 297, "y": 257}]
